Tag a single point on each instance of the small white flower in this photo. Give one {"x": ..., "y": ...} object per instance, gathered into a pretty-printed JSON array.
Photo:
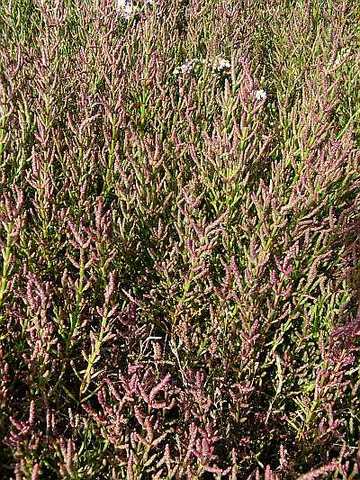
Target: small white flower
[
  {"x": 221, "y": 64},
  {"x": 126, "y": 8},
  {"x": 260, "y": 94},
  {"x": 186, "y": 67}
]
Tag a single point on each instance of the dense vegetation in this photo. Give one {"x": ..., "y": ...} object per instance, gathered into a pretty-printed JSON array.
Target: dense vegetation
[{"x": 180, "y": 239}]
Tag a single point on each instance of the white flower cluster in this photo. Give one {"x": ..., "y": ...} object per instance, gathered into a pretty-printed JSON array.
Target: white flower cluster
[
  {"x": 186, "y": 67},
  {"x": 260, "y": 95},
  {"x": 220, "y": 64},
  {"x": 126, "y": 8}
]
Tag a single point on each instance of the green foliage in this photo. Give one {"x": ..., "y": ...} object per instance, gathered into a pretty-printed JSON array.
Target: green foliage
[{"x": 179, "y": 239}]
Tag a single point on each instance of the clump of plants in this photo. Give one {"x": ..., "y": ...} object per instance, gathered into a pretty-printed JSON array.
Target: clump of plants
[{"x": 179, "y": 240}]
